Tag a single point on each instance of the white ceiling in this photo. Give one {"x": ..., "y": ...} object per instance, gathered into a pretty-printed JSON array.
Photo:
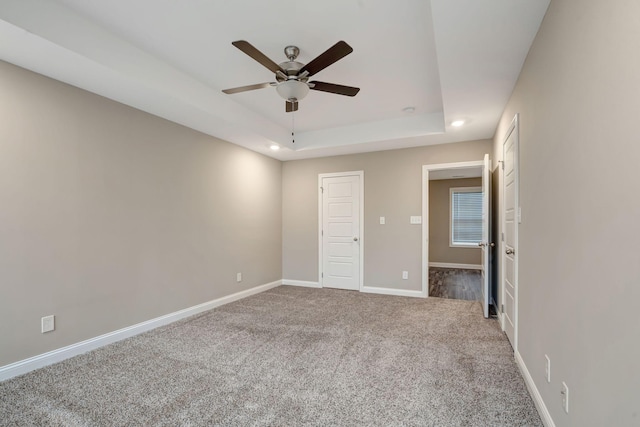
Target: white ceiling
[{"x": 449, "y": 59}]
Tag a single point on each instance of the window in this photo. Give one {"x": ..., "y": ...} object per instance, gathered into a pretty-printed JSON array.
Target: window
[{"x": 466, "y": 216}]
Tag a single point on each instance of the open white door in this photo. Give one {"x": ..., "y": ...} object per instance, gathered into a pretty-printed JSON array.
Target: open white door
[
  {"x": 484, "y": 245},
  {"x": 510, "y": 218}
]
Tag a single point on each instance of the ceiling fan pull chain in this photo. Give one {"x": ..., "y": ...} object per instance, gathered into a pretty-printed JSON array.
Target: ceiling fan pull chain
[{"x": 293, "y": 128}]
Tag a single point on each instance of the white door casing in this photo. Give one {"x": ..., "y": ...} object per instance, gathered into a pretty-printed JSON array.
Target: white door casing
[
  {"x": 426, "y": 170},
  {"x": 510, "y": 219},
  {"x": 485, "y": 244},
  {"x": 341, "y": 230}
]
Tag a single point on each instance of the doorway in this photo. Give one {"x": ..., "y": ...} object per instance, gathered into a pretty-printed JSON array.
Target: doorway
[
  {"x": 456, "y": 231},
  {"x": 341, "y": 225}
]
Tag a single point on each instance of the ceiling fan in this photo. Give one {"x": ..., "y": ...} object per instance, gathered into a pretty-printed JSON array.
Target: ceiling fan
[{"x": 292, "y": 77}]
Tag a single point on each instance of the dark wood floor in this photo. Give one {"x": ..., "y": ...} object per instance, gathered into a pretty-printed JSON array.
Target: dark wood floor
[{"x": 455, "y": 283}]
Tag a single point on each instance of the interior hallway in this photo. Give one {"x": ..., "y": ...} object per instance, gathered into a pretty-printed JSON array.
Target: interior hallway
[{"x": 455, "y": 283}]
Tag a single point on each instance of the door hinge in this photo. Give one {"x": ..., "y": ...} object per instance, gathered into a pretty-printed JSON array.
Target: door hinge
[
  {"x": 502, "y": 308},
  {"x": 321, "y": 189},
  {"x": 501, "y": 164},
  {"x": 322, "y": 275},
  {"x": 502, "y": 236},
  {"x": 322, "y": 232}
]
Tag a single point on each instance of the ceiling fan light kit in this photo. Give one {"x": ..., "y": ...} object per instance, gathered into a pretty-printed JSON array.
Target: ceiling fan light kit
[
  {"x": 292, "y": 77},
  {"x": 292, "y": 90}
]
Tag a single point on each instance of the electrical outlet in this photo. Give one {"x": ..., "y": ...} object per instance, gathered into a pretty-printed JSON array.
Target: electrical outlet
[
  {"x": 48, "y": 323},
  {"x": 239, "y": 277},
  {"x": 565, "y": 397},
  {"x": 405, "y": 275},
  {"x": 547, "y": 368}
]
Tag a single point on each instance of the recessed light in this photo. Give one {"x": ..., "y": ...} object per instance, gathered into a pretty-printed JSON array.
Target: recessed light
[
  {"x": 408, "y": 110},
  {"x": 274, "y": 147},
  {"x": 457, "y": 123}
]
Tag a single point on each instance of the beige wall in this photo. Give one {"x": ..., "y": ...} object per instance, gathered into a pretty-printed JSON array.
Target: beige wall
[
  {"x": 110, "y": 216},
  {"x": 440, "y": 227},
  {"x": 392, "y": 186},
  {"x": 579, "y": 99}
]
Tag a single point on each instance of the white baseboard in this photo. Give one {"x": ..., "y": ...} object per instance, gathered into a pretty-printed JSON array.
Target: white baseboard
[
  {"x": 23, "y": 366},
  {"x": 535, "y": 394},
  {"x": 301, "y": 283},
  {"x": 391, "y": 291},
  {"x": 454, "y": 265},
  {"x": 365, "y": 289}
]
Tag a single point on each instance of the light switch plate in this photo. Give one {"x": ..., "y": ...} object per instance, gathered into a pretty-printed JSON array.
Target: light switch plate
[
  {"x": 415, "y": 220},
  {"x": 382, "y": 220}
]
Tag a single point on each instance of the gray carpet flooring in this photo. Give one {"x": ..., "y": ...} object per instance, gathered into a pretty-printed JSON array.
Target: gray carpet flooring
[{"x": 286, "y": 357}]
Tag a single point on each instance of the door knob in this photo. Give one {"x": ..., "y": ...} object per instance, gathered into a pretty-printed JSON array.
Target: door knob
[
  {"x": 492, "y": 244},
  {"x": 509, "y": 251},
  {"x": 355, "y": 239}
]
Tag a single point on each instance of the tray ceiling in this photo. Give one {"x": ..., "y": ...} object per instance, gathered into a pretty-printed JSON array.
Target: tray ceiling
[{"x": 446, "y": 59}]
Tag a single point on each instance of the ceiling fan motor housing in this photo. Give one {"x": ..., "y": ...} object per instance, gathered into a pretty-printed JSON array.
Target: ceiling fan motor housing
[{"x": 291, "y": 69}]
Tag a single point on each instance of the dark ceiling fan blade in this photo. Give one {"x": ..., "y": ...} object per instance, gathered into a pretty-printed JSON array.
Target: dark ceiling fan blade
[
  {"x": 334, "y": 88},
  {"x": 246, "y": 88},
  {"x": 250, "y": 50},
  {"x": 331, "y": 55},
  {"x": 290, "y": 106}
]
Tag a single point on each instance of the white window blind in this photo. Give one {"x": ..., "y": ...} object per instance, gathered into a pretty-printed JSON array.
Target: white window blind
[{"x": 466, "y": 216}]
